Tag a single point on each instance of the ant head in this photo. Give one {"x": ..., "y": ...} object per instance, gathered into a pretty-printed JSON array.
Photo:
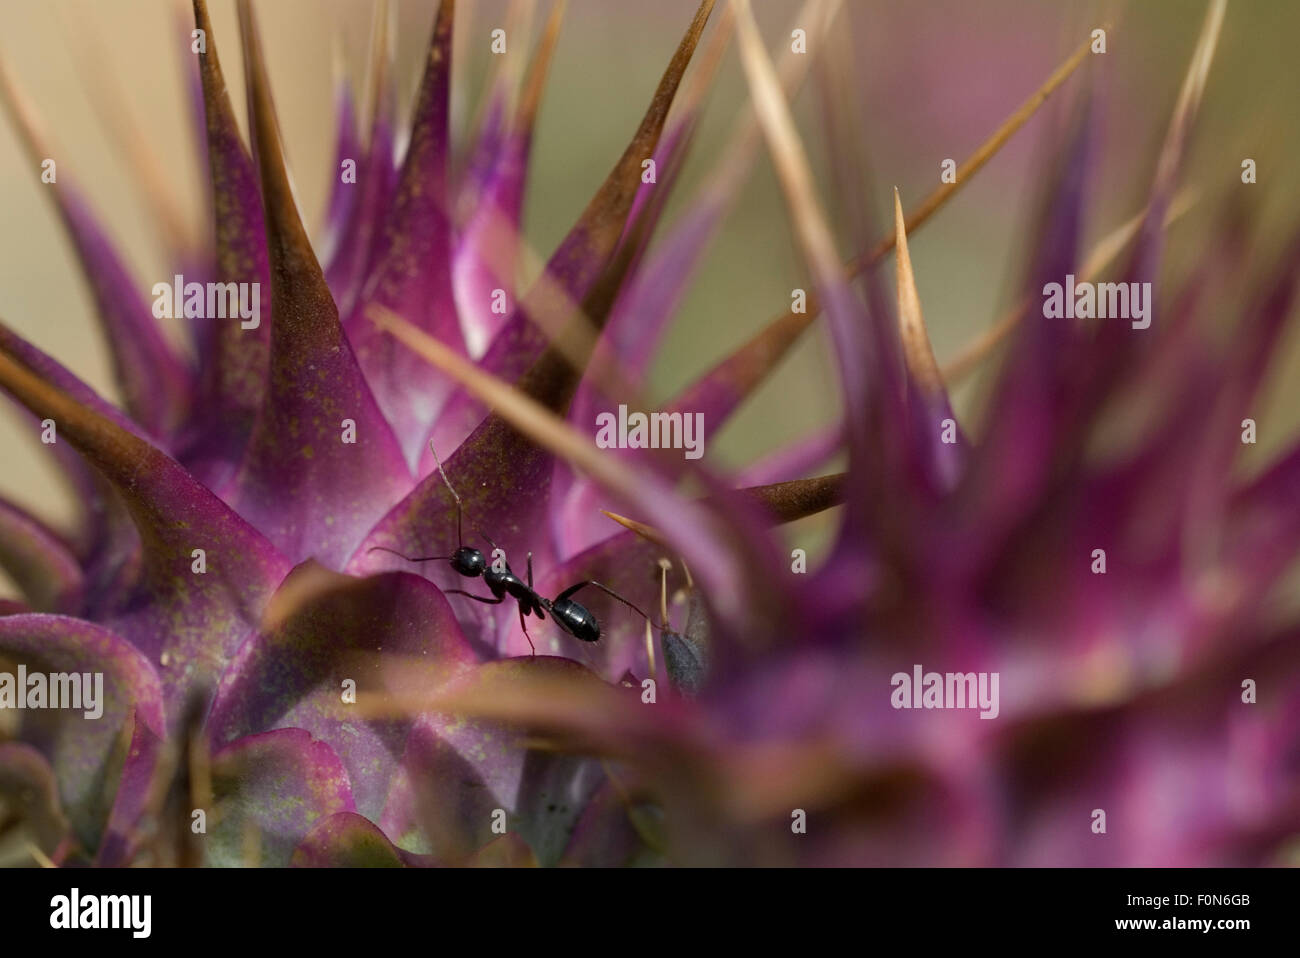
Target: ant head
[{"x": 468, "y": 561}]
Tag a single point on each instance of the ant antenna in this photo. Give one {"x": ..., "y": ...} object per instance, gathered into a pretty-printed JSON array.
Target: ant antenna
[
  {"x": 460, "y": 538},
  {"x": 404, "y": 556}
]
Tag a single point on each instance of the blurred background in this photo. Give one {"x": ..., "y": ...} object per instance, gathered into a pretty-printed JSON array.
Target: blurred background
[{"x": 932, "y": 79}]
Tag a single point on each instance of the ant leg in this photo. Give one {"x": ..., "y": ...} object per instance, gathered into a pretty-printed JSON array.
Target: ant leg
[
  {"x": 610, "y": 592},
  {"x": 537, "y": 608},
  {"x": 489, "y": 541},
  {"x": 404, "y": 556},
  {"x": 495, "y": 601},
  {"x": 523, "y": 624},
  {"x": 477, "y": 598}
]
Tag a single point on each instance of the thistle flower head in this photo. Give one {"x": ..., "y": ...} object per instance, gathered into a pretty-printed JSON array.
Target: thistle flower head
[{"x": 289, "y": 660}]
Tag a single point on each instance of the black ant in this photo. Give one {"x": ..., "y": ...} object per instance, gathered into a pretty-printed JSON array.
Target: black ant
[{"x": 570, "y": 615}]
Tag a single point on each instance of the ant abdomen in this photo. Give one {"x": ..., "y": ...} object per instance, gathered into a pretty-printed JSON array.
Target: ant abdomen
[{"x": 576, "y": 619}]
